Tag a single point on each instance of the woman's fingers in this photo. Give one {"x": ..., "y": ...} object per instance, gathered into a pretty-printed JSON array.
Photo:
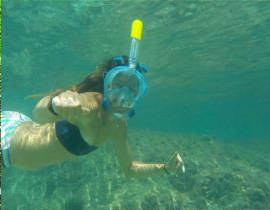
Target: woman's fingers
[
  {"x": 68, "y": 104},
  {"x": 57, "y": 105},
  {"x": 176, "y": 163},
  {"x": 172, "y": 163},
  {"x": 80, "y": 110},
  {"x": 174, "y": 156},
  {"x": 71, "y": 108},
  {"x": 77, "y": 104},
  {"x": 180, "y": 164}
]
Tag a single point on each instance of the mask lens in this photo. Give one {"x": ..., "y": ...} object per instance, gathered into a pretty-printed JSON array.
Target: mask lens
[
  {"x": 124, "y": 80},
  {"x": 123, "y": 91},
  {"x": 122, "y": 97}
]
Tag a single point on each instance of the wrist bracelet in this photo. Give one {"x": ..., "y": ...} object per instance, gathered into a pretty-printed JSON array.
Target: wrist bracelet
[
  {"x": 165, "y": 169},
  {"x": 49, "y": 106}
]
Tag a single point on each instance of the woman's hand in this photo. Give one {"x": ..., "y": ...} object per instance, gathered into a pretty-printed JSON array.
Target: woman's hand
[
  {"x": 68, "y": 104},
  {"x": 175, "y": 164}
]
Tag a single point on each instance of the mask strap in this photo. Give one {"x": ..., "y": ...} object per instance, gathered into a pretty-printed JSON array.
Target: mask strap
[
  {"x": 143, "y": 68},
  {"x": 104, "y": 105},
  {"x": 132, "y": 113},
  {"x": 105, "y": 72}
]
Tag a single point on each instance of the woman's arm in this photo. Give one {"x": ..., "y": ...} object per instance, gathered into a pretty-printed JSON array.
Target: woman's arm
[
  {"x": 65, "y": 106},
  {"x": 134, "y": 169},
  {"x": 42, "y": 114}
]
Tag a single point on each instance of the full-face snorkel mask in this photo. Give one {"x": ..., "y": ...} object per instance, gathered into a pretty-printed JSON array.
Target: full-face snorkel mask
[{"x": 125, "y": 86}]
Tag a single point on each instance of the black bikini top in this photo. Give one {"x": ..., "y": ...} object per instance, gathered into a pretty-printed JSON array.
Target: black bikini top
[{"x": 70, "y": 137}]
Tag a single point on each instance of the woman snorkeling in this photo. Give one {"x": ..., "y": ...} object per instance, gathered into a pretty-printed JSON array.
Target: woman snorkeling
[{"x": 78, "y": 120}]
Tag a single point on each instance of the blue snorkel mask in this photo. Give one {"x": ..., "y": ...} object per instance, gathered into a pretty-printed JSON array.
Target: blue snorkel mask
[{"x": 125, "y": 86}]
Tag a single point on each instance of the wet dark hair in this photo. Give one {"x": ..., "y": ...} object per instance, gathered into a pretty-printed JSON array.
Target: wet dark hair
[{"x": 94, "y": 82}]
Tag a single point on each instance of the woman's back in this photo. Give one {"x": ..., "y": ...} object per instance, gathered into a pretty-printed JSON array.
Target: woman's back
[{"x": 34, "y": 146}]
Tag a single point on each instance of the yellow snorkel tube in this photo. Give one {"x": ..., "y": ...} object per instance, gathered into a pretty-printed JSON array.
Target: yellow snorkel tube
[
  {"x": 136, "y": 30},
  {"x": 136, "y": 34}
]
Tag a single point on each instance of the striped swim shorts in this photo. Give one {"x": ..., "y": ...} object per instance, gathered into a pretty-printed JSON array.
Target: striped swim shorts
[{"x": 9, "y": 122}]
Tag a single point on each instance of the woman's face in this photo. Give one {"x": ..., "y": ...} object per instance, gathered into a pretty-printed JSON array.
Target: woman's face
[{"x": 125, "y": 90}]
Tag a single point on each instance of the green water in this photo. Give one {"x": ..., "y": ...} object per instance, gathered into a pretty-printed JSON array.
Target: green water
[{"x": 209, "y": 97}]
